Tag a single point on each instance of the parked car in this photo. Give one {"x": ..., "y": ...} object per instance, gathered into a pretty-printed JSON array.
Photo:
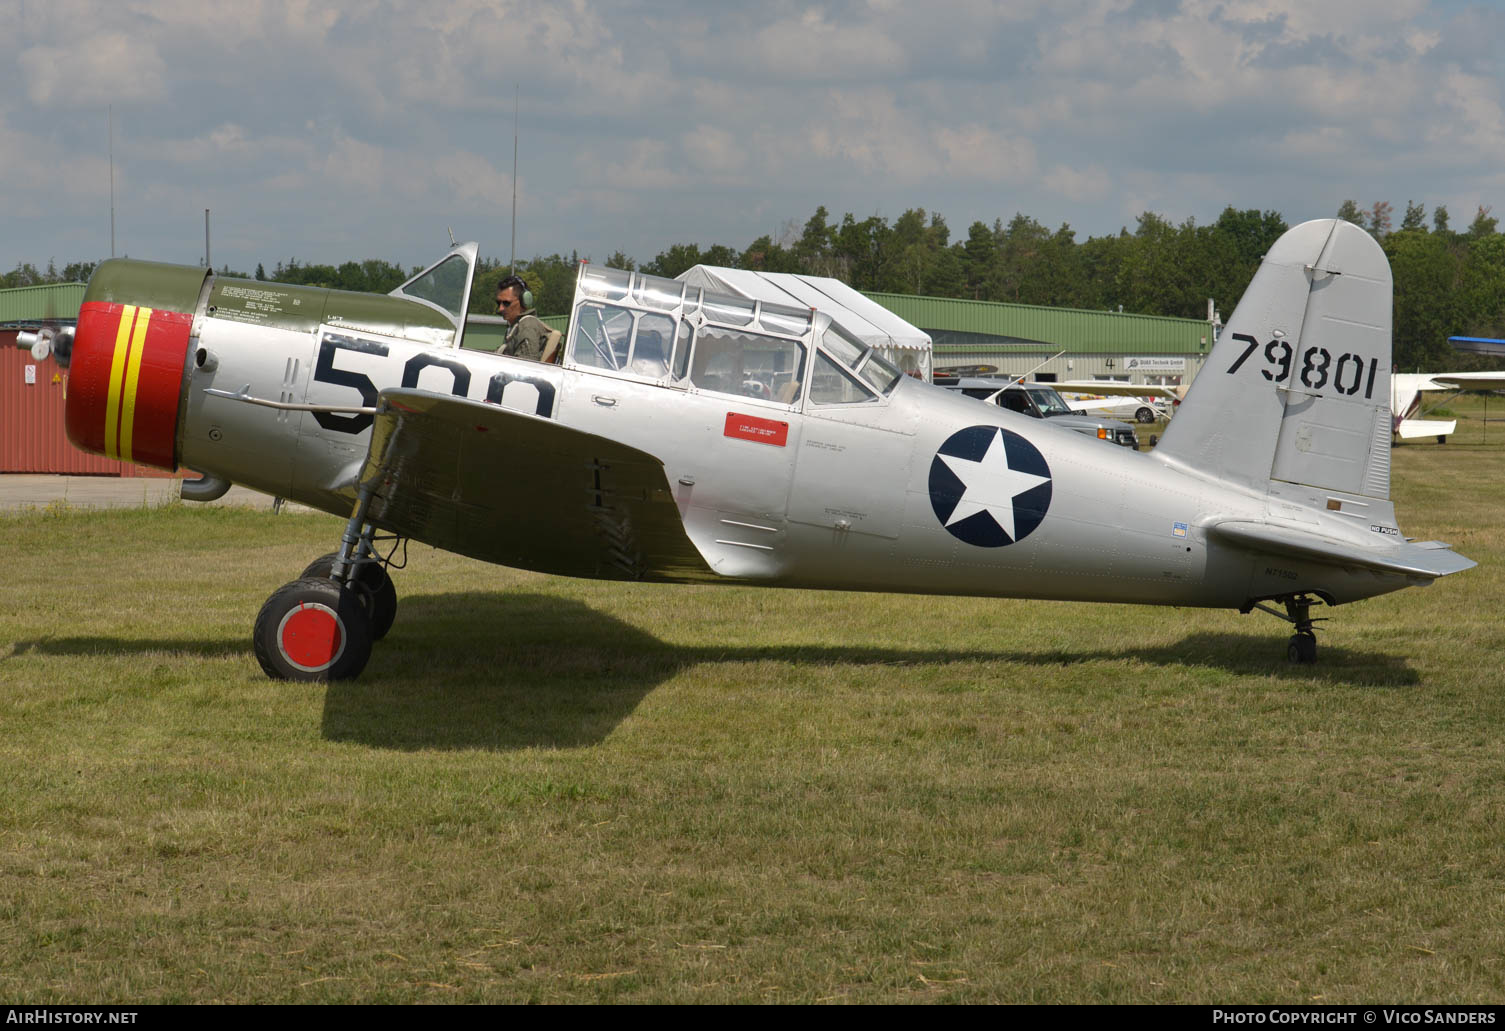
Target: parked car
[{"x": 1040, "y": 401}]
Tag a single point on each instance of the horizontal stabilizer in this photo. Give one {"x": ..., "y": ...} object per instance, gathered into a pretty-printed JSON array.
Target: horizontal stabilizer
[
  {"x": 1428, "y": 559},
  {"x": 1411, "y": 429}
]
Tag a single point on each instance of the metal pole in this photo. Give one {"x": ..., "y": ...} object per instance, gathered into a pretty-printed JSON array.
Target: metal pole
[
  {"x": 206, "y": 241},
  {"x": 112, "y": 180},
  {"x": 512, "y": 262}
]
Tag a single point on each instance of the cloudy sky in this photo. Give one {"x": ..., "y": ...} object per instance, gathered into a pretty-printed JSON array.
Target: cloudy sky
[{"x": 331, "y": 131}]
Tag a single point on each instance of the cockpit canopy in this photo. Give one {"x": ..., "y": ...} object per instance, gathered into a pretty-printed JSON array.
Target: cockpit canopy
[{"x": 670, "y": 332}]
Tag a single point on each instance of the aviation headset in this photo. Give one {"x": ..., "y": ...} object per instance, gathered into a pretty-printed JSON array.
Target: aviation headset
[{"x": 516, "y": 283}]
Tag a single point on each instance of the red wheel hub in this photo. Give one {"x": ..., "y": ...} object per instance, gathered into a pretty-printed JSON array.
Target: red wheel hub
[{"x": 311, "y": 637}]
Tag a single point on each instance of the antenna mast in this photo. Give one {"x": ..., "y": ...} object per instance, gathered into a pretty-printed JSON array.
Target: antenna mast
[
  {"x": 112, "y": 180},
  {"x": 512, "y": 262}
]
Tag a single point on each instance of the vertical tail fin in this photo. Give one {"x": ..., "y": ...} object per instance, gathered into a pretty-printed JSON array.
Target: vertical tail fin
[{"x": 1297, "y": 388}]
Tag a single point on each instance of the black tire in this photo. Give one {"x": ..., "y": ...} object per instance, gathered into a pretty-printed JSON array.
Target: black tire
[
  {"x": 1302, "y": 649},
  {"x": 378, "y": 593},
  {"x": 1145, "y": 414},
  {"x": 321, "y": 567},
  {"x": 312, "y": 630},
  {"x": 381, "y": 600}
]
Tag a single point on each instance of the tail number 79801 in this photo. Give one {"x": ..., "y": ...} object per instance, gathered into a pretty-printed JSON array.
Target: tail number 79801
[{"x": 1316, "y": 368}]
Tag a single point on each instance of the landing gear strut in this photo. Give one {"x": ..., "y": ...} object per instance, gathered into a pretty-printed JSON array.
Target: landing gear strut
[
  {"x": 1302, "y": 648},
  {"x": 322, "y": 625},
  {"x": 374, "y": 587}
]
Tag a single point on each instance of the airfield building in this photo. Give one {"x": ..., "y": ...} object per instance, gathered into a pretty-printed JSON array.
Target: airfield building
[{"x": 1055, "y": 344}]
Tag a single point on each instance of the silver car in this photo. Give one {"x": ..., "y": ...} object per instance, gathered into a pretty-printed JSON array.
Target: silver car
[{"x": 1040, "y": 401}]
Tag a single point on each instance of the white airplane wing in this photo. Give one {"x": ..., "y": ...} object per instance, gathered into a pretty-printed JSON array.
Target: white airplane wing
[
  {"x": 1468, "y": 380},
  {"x": 523, "y": 491},
  {"x": 1087, "y": 404},
  {"x": 1116, "y": 389},
  {"x": 1119, "y": 407}
]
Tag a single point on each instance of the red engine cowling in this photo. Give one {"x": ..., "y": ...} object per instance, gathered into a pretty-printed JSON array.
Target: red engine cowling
[{"x": 130, "y": 352}]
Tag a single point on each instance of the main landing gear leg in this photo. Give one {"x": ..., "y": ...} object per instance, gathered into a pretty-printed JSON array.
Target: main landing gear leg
[
  {"x": 1302, "y": 648},
  {"x": 1303, "y": 644},
  {"x": 322, "y": 625},
  {"x": 366, "y": 574}
]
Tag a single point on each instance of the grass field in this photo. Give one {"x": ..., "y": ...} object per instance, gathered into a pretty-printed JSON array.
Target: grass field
[{"x": 568, "y": 791}]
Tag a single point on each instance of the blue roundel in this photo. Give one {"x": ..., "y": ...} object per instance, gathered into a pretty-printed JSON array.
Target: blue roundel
[{"x": 989, "y": 487}]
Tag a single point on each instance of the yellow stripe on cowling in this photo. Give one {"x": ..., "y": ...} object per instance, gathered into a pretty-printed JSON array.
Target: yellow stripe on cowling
[
  {"x": 132, "y": 378},
  {"x": 117, "y": 374}
]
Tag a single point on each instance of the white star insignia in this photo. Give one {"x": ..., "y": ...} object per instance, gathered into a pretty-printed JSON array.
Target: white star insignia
[{"x": 991, "y": 485}]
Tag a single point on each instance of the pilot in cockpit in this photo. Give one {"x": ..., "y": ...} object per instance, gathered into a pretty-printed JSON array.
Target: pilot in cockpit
[{"x": 527, "y": 336}]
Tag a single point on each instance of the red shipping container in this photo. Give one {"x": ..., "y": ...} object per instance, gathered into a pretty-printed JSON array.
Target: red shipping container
[{"x": 32, "y": 439}]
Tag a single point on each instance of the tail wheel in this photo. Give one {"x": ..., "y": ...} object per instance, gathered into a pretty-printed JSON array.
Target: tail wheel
[
  {"x": 1302, "y": 648},
  {"x": 377, "y": 592},
  {"x": 313, "y": 630}
]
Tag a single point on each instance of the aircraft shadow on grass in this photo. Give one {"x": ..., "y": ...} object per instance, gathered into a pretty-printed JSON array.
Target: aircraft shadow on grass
[
  {"x": 516, "y": 670},
  {"x": 522, "y": 670}
]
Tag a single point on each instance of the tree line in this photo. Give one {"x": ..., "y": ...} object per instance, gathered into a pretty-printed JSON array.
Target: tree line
[{"x": 1447, "y": 282}]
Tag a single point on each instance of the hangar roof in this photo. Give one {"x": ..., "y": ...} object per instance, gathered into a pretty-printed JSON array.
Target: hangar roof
[
  {"x": 34, "y": 303},
  {"x": 1072, "y": 329}
]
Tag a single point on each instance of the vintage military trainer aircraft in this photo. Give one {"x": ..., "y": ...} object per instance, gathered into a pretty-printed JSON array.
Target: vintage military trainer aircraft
[{"x": 690, "y": 437}]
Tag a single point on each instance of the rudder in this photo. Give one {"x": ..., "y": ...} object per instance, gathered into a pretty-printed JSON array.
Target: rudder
[{"x": 1297, "y": 388}]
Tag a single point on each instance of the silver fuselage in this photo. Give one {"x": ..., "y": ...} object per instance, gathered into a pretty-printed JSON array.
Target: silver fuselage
[{"x": 843, "y": 501}]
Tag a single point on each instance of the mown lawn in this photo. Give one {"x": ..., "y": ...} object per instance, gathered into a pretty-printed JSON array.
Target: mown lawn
[{"x": 558, "y": 790}]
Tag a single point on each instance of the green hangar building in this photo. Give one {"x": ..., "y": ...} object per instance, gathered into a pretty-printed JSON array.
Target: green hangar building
[{"x": 1056, "y": 344}]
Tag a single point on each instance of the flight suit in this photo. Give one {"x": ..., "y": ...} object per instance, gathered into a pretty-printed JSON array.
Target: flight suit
[{"x": 525, "y": 337}]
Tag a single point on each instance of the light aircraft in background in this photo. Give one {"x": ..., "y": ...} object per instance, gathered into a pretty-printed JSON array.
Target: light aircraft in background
[
  {"x": 1479, "y": 345},
  {"x": 694, "y": 438},
  {"x": 1406, "y": 408},
  {"x": 1141, "y": 402}
]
